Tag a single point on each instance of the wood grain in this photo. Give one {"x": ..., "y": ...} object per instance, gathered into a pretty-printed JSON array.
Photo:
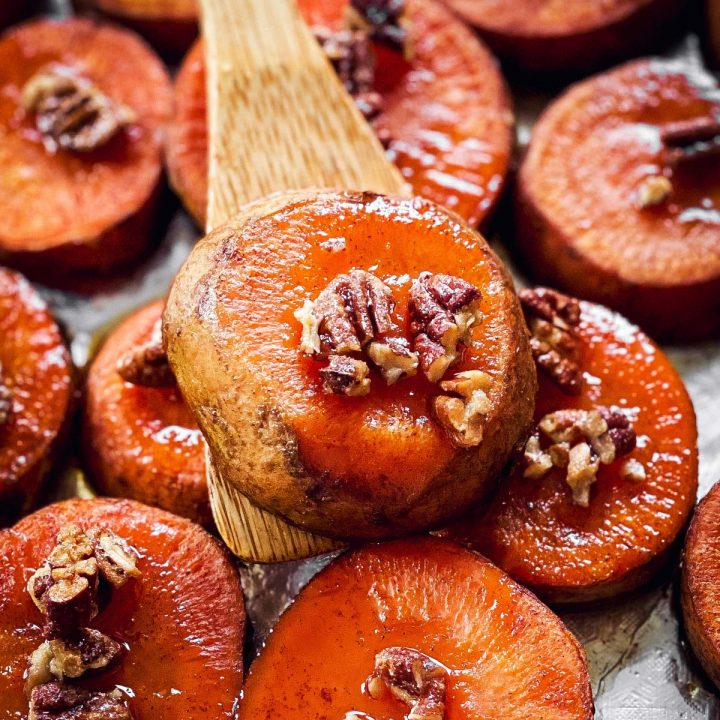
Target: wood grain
[{"x": 279, "y": 119}]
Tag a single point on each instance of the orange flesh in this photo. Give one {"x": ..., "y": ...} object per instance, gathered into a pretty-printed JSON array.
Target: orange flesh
[
  {"x": 36, "y": 367},
  {"x": 51, "y": 199},
  {"x": 384, "y": 442},
  {"x": 509, "y": 657},
  {"x": 150, "y": 9},
  {"x": 143, "y": 442},
  {"x": 182, "y": 619},
  {"x": 447, "y": 112},
  {"x": 601, "y": 140},
  {"x": 534, "y": 531}
]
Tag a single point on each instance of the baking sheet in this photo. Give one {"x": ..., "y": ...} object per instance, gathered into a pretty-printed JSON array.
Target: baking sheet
[{"x": 640, "y": 665}]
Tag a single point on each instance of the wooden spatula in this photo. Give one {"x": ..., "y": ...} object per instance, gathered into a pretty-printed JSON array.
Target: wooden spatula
[{"x": 279, "y": 119}]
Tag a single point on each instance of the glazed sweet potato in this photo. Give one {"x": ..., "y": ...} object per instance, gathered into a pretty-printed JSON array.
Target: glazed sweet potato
[
  {"x": 446, "y": 118},
  {"x": 379, "y": 463},
  {"x": 35, "y": 393},
  {"x": 701, "y": 565},
  {"x": 140, "y": 441},
  {"x": 498, "y": 652},
  {"x": 71, "y": 205},
  {"x": 181, "y": 621},
  {"x": 551, "y": 36},
  {"x": 538, "y": 530},
  {"x": 170, "y": 25},
  {"x": 618, "y": 200}
]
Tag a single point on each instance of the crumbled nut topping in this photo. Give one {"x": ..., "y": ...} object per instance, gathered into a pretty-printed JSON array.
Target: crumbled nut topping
[
  {"x": 5, "y": 400},
  {"x": 579, "y": 441},
  {"x": 461, "y": 413},
  {"x": 652, "y": 191},
  {"x": 115, "y": 558},
  {"x": 71, "y": 112},
  {"x": 443, "y": 311},
  {"x": 147, "y": 364},
  {"x": 61, "y": 659},
  {"x": 55, "y": 701},
  {"x": 353, "y": 317},
  {"x": 385, "y": 20},
  {"x": 634, "y": 470},
  {"x": 553, "y": 319},
  {"x": 413, "y": 678}
]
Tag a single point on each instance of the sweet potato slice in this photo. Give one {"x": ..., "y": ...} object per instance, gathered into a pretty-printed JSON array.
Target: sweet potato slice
[
  {"x": 182, "y": 620},
  {"x": 701, "y": 565},
  {"x": 35, "y": 393},
  {"x": 618, "y": 197},
  {"x": 639, "y": 503},
  {"x": 142, "y": 442},
  {"x": 170, "y": 25},
  {"x": 446, "y": 121},
  {"x": 65, "y": 210},
  {"x": 503, "y": 653},
  {"x": 369, "y": 466},
  {"x": 547, "y": 35}
]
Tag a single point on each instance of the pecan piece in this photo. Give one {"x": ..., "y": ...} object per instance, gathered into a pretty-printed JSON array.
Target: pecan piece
[
  {"x": 385, "y": 20},
  {"x": 55, "y": 701},
  {"x": 393, "y": 358},
  {"x": 654, "y": 190},
  {"x": 89, "y": 651},
  {"x": 553, "y": 319},
  {"x": 413, "y": 678},
  {"x": 461, "y": 413},
  {"x": 443, "y": 311},
  {"x": 579, "y": 441},
  {"x": 115, "y": 558},
  {"x": 683, "y": 134},
  {"x": 346, "y": 376},
  {"x": 71, "y": 112},
  {"x": 6, "y": 402},
  {"x": 147, "y": 364}
]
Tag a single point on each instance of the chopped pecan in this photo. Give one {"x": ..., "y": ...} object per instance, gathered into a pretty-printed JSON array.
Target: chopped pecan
[
  {"x": 553, "y": 319},
  {"x": 461, "y": 413},
  {"x": 346, "y": 376},
  {"x": 89, "y": 651},
  {"x": 352, "y": 316},
  {"x": 634, "y": 470},
  {"x": 55, "y": 701},
  {"x": 443, "y": 310},
  {"x": 413, "y": 678},
  {"x": 6, "y": 402},
  {"x": 578, "y": 441},
  {"x": 385, "y": 20},
  {"x": 71, "y": 112},
  {"x": 115, "y": 558},
  {"x": 147, "y": 364},
  {"x": 652, "y": 191}
]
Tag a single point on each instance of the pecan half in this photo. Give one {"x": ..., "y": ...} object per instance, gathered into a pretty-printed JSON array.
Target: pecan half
[
  {"x": 413, "y": 678},
  {"x": 6, "y": 402},
  {"x": 353, "y": 316},
  {"x": 579, "y": 441},
  {"x": 147, "y": 364},
  {"x": 55, "y": 701},
  {"x": 71, "y": 112},
  {"x": 443, "y": 311},
  {"x": 553, "y": 319},
  {"x": 89, "y": 651},
  {"x": 462, "y": 412},
  {"x": 385, "y": 20}
]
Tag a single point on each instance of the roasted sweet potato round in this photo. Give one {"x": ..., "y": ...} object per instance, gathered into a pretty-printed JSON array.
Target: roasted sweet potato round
[
  {"x": 538, "y": 530},
  {"x": 181, "y": 621},
  {"x": 496, "y": 650},
  {"x": 547, "y": 35},
  {"x": 35, "y": 393},
  {"x": 701, "y": 567},
  {"x": 279, "y": 421},
  {"x": 618, "y": 197},
  {"x": 78, "y": 188},
  {"x": 170, "y": 25},
  {"x": 446, "y": 118},
  {"x": 142, "y": 442}
]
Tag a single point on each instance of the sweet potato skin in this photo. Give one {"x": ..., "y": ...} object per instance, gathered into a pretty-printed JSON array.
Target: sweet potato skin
[
  {"x": 701, "y": 565},
  {"x": 576, "y": 43},
  {"x": 653, "y": 265},
  {"x": 183, "y": 619},
  {"x": 142, "y": 443},
  {"x": 511, "y": 657},
  {"x": 66, "y": 211},
  {"x": 36, "y": 366},
  {"x": 303, "y": 476}
]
